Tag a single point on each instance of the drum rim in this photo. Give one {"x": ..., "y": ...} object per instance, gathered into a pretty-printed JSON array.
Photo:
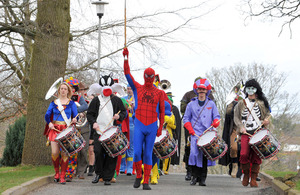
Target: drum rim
[
  {"x": 211, "y": 140},
  {"x": 72, "y": 130},
  {"x": 264, "y": 137},
  {"x": 108, "y": 130}
]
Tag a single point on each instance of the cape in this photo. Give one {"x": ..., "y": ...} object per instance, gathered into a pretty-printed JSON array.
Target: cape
[{"x": 175, "y": 159}]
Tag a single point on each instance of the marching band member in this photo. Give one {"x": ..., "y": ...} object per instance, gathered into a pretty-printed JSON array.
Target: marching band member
[
  {"x": 58, "y": 117},
  {"x": 170, "y": 126},
  {"x": 183, "y": 103},
  {"x": 175, "y": 159},
  {"x": 147, "y": 99},
  {"x": 199, "y": 115},
  {"x": 81, "y": 156},
  {"x": 248, "y": 114},
  {"x": 101, "y": 110},
  {"x": 127, "y": 161},
  {"x": 230, "y": 137}
]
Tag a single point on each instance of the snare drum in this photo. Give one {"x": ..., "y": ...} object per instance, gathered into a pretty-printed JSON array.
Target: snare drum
[
  {"x": 114, "y": 141},
  {"x": 264, "y": 144},
  {"x": 164, "y": 146},
  {"x": 212, "y": 145},
  {"x": 70, "y": 140}
]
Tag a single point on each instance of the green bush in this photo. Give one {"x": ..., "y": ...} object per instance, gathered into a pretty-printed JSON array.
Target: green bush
[{"x": 14, "y": 141}]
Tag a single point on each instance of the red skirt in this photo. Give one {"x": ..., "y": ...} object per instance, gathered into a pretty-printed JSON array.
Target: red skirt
[{"x": 53, "y": 133}]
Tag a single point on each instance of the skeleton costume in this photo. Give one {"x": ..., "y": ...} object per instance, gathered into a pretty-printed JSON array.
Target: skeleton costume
[
  {"x": 248, "y": 114},
  {"x": 100, "y": 111}
]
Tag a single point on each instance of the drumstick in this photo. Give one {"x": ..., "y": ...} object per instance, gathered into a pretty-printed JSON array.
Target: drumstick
[
  {"x": 98, "y": 129},
  {"x": 56, "y": 130},
  {"x": 211, "y": 126},
  {"x": 111, "y": 120},
  {"x": 247, "y": 134},
  {"x": 262, "y": 124}
]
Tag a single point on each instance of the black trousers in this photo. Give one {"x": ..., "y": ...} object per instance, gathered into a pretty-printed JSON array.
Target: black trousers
[
  {"x": 200, "y": 172},
  {"x": 105, "y": 165}
]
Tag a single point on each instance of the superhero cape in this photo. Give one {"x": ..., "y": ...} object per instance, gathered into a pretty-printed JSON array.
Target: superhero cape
[{"x": 47, "y": 130}]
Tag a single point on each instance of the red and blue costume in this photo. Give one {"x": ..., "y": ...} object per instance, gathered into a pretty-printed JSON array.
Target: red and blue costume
[{"x": 147, "y": 99}]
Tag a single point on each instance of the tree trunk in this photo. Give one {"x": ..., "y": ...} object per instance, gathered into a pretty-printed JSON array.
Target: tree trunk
[{"x": 50, "y": 53}]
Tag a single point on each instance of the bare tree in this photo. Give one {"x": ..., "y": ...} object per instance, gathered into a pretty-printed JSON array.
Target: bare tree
[
  {"x": 286, "y": 10},
  {"x": 147, "y": 35},
  {"x": 284, "y": 106}
]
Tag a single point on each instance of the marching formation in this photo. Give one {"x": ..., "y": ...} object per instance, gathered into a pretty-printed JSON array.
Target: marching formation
[{"x": 106, "y": 131}]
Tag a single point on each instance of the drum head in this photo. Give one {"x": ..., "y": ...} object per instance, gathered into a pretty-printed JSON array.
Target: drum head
[
  {"x": 206, "y": 138},
  {"x": 258, "y": 136},
  {"x": 163, "y": 134},
  {"x": 64, "y": 132},
  {"x": 108, "y": 133}
]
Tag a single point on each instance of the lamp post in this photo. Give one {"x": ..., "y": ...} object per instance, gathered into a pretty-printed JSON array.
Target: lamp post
[{"x": 100, "y": 12}]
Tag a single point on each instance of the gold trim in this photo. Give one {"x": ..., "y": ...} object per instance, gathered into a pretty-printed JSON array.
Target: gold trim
[{"x": 59, "y": 122}]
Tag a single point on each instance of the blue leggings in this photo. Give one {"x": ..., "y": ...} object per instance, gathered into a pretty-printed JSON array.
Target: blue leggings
[{"x": 144, "y": 135}]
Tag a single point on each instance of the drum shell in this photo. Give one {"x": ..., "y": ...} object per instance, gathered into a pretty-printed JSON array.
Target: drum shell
[
  {"x": 164, "y": 147},
  {"x": 72, "y": 141},
  {"x": 267, "y": 146},
  {"x": 215, "y": 149},
  {"x": 116, "y": 143}
]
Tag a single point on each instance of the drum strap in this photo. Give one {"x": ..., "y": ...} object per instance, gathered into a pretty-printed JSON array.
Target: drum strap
[
  {"x": 247, "y": 102},
  {"x": 62, "y": 111}
]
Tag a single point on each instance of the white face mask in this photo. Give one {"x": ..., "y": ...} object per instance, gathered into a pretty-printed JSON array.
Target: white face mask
[{"x": 251, "y": 90}]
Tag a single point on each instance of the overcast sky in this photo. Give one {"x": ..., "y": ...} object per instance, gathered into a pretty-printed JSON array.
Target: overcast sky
[{"x": 225, "y": 39}]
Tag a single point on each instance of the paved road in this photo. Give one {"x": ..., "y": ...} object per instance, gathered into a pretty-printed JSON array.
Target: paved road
[{"x": 168, "y": 184}]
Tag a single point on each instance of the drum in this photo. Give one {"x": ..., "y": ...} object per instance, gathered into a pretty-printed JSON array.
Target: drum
[
  {"x": 70, "y": 140},
  {"x": 264, "y": 143},
  {"x": 212, "y": 145},
  {"x": 114, "y": 141},
  {"x": 164, "y": 146}
]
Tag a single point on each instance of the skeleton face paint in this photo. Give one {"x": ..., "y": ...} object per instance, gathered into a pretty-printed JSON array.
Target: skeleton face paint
[{"x": 251, "y": 90}]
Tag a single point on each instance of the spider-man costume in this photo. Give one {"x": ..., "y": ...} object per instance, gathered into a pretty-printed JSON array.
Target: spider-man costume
[{"x": 148, "y": 98}]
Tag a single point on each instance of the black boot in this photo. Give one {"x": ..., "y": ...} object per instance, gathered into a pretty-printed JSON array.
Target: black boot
[
  {"x": 202, "y": 181},
  {"x": 146, "y": 186},
  {"x": 96, "y": 179},
  {"x": 194, "y": 181},
  {"x": 107, "y": 183},
  {"x": 91, "y": 170},
  {"x": 188, "y": 176},
  {"x": 137, "y": 182}
]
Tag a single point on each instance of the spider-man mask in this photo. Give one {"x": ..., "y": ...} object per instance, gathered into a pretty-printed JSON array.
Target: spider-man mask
[{"x": 149, "y": 77}]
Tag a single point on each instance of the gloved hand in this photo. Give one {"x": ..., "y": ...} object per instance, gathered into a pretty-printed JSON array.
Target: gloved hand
[
  {"x": 189, "y": 127},
  {"x": 125, "y": 52},
  {"x": 216, "y": 123}
]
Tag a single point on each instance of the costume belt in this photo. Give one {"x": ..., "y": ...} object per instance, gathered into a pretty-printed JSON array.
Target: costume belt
[{"x": 59, "y": 122}]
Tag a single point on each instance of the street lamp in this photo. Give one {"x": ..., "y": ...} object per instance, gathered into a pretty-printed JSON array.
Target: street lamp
[{"x": 100, "y": 12}]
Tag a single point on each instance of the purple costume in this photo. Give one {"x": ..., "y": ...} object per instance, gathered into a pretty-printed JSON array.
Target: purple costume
[{"x": 209, "y": 113}]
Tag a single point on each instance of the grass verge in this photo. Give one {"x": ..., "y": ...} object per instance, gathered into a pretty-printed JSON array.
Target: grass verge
[
  {"x": 283, "y": 174},
  {"x": 14, "y": 176}
]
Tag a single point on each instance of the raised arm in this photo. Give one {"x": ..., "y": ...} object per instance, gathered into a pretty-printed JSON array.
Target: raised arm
[{"x": 127, "y": 73}]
